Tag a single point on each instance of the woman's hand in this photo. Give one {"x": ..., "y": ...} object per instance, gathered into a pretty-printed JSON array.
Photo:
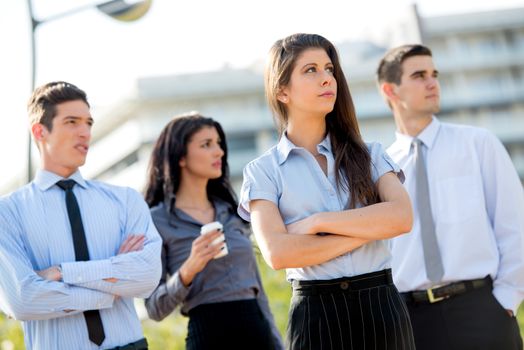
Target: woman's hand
[{"x": 202, "y": 251}]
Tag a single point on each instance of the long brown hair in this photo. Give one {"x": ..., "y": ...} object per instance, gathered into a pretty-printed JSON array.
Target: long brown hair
[
  {"x": 352, "y": 159},
  {"x": 164, "y": 169}
]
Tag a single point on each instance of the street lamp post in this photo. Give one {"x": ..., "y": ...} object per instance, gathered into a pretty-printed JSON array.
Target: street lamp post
[{"x": 117, "y": 9}]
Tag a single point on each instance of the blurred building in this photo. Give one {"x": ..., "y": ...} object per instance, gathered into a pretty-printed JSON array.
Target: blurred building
[{"x": 480, "y": 57}]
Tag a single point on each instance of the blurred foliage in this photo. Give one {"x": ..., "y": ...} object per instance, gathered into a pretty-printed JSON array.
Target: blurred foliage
[
  {"x": 520, "y": 318},
  {"x": 11, "y": 336},
  {"x": 170, "y": 333}
]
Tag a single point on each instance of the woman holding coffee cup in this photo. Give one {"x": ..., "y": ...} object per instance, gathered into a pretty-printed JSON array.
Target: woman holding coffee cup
[{"x": 209, "y": 268}]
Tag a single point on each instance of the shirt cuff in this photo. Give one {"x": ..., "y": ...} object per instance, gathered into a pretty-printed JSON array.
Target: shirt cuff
[
  {"x": 176, "y": 289},
  {"x": 508, "y": 298},
  {"x": 86, "y": 271}
]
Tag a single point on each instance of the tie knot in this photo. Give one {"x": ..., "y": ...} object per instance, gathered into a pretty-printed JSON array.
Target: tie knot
[
  {"x": 66, "y": 184},
  {"x": 417, "y": 142}
]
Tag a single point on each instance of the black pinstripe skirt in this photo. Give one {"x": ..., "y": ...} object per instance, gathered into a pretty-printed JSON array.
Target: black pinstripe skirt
[{"x": 360, "y": 312}]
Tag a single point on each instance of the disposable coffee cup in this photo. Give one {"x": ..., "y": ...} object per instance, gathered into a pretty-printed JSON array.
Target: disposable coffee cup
[{"x": 212, "y": 226}]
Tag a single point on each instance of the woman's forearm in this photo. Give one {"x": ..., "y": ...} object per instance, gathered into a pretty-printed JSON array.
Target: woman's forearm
[
  {"x": 282, "y": 249},
  {"x": 285, "y": 250},
  {"x": 377, "y": 221},
  {"x": 389, "y": 218}
]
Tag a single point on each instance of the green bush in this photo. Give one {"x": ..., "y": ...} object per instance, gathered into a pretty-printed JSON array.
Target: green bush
[
  {"x": 11, "y": 336},
  {"x": 520, "y": 319}
]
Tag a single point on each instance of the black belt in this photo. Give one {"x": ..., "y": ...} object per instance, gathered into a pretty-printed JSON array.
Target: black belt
[
  {"x": 439, "y": 293},
  {"x": 344, "y": 284},
  {"x": 138, "y": 345}
]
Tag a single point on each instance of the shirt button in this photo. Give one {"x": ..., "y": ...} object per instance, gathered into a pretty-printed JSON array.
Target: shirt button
[
  {"x": 79, "y": 279},
  {"x": 344, "y": 285}
]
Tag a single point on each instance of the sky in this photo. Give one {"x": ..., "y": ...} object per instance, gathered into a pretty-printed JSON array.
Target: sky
[{"x": 105, "y": 57}]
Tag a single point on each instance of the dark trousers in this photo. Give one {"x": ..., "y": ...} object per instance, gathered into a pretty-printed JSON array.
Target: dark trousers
[
  {"x": 361, "y": 312},
  {"x": 235, "y": 325},
  {"x": 474, "y": 320}
]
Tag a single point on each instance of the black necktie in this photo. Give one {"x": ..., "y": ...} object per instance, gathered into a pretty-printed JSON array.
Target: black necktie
[{"x": 95, "y": 328}]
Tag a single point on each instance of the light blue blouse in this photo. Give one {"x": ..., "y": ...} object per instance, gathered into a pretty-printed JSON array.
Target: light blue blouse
[{"x": 290, "y": 177}]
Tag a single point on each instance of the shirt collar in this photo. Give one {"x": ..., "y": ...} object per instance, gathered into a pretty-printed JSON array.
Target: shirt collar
[
  {"x": 45, "y": 179},
  {"x": 427, "y": 136},
  {"x": 285, "y": 146}
]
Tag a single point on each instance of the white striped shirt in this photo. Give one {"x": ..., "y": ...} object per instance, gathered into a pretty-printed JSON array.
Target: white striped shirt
[{"x": 36, "y": 234}]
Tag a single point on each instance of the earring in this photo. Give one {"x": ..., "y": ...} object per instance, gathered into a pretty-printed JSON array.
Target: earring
[{"x": 284, "y": 99}]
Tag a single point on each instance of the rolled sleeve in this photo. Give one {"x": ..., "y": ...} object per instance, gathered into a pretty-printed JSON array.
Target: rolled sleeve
[
  {"x": 166, "y": 297},
  {"x": 258, "y": 184},
  {"x": 381, "y": 163},
  {"x": 177, "y": 289}
]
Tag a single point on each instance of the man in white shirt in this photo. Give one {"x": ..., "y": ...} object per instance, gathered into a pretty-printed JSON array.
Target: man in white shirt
[{"x": 461, "y": 270}]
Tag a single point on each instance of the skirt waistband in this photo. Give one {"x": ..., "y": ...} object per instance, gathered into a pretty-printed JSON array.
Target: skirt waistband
[
  {"x": 231, "y": 307},
  {"x": 344, "y": 284}
]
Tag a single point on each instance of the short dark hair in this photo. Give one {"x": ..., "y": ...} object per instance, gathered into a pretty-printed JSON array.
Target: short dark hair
[
  {"x": 390, "y": 67},
  {"x": 44, "y": 99}
]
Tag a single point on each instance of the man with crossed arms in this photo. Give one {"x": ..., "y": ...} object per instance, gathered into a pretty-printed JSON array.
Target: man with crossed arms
[{"x": 74, "y": 253}]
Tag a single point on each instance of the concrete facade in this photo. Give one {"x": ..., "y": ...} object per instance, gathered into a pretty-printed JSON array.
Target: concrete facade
[{"x": 480, "y": 57}]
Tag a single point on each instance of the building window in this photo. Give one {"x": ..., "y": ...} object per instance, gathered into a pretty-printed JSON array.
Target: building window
[{"x": 241, "y": 142}]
